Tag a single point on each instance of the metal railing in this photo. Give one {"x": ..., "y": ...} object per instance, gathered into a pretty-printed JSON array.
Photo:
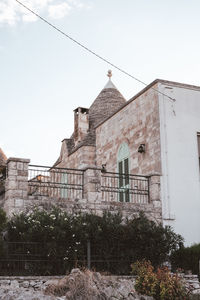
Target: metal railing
[
  {"x": 125, "y": 188},
  {"x": 55, "y": 182},
  {"x": 32, "y": 258},
  {"x": 29, "y": 258}
]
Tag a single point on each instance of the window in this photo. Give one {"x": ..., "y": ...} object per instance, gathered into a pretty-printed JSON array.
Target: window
[
  {"x": 63, "y": 190},
  {"x": 123, "y": 170},
  {"x": 198, "y": 143}
]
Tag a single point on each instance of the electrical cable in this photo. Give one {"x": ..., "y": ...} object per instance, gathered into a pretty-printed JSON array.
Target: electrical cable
[{"x": 90, "y": 51}]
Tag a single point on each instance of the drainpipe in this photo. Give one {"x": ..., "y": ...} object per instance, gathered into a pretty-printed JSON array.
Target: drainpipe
[{"x": 167, "y": 216}]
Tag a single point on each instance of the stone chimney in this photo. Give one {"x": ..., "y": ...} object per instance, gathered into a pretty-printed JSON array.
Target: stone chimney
[{"x": 81, "y": 124}]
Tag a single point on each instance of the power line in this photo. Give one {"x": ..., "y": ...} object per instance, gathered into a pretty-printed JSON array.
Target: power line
[{"x": 90, "y": 51}]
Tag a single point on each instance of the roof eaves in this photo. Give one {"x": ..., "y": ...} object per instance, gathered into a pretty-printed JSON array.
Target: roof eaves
[
  {"x": 178, "y": 84},
  {"x": 149, "y": 86}
]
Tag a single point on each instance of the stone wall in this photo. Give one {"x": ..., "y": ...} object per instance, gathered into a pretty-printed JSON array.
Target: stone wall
[
  {"x": 92, "y": 200},
  {"x": 16, "y": 186},
  {"x": 82, "y": 157},
  {"x": 33, "y": 287},
  {"x": 72, "y": 206},
  {"x": 137, "y": 123}
]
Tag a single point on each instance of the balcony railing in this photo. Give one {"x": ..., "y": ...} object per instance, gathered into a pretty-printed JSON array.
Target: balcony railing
[
  {"x": 55, "y": 182},
  {"x": 125, "y": 188},
  {"x": 69, "y": 184}
]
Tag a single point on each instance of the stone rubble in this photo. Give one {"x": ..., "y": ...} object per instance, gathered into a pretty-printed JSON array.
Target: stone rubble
[
  {"x": 79, "y": 285},
  {"x": 72, "y": 286}
]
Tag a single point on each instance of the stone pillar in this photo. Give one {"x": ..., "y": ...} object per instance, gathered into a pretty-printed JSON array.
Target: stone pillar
[
  {"x": 154, "y": 190},
  {"x": 155, "y": 196},
  {"x": 92, "y": 184},
  {"x": 16, "y": 189}
]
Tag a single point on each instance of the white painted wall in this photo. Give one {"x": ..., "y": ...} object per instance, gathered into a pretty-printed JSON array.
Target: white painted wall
[{"x": 180, "y": 185}]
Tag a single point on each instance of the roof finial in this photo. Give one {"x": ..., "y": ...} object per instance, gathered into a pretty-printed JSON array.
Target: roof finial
[{"x": 109, "y": 74}]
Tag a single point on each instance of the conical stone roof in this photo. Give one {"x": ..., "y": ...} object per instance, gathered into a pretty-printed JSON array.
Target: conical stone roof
[{"x": 107, "y": 102}]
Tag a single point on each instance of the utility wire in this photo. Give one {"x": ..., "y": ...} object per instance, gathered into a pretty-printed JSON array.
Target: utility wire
[{"x": 90, "y": 51}]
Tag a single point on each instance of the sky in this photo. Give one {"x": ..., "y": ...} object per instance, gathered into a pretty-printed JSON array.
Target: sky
[{"x": 44, "y": 76}]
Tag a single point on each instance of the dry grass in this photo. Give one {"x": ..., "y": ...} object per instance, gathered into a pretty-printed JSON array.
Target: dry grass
[{"x": 79, "y": 285}]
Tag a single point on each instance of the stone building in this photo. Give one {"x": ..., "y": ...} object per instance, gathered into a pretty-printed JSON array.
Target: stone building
[
  {"x": 150, "y": 134},
  {"x": 141, "y": 154}
]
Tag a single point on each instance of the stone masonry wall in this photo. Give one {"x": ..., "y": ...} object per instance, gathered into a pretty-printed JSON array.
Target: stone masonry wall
[
  {"x": 82, "y": 157},
  {"x": 16, "y": 186},
  {"x": 92, "y": 199},
  {"x": 33, "y": 287},
  {"x": 137, "y": 123},
  {"x": 72, "y": 206}
]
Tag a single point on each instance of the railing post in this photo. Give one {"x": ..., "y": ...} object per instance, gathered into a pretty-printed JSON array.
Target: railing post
[
  {"x": 88, "y": 255},
  {"x": 16, "y": 188},
  {"x": 92, "y": 184}
]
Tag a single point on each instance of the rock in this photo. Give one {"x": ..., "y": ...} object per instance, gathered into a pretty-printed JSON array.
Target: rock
[
  {"x": 24, "y": 284},
  {"x": 51, "y": 282},
  {"x": 14, "y": 284},
  {"x": 5, "y": 282}
]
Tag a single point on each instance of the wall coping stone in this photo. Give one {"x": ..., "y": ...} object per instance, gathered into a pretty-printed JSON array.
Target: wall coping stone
[
  {"x": 24, "y": 160},
  {"x": 154, "y": 174},
  {"x": 44, "y": 278},
  {"x": 90, "y": 168}
]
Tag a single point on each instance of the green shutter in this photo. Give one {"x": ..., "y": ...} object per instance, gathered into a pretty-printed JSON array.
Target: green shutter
[
  {"x": 126, "y": 171},
  {"x": 120, "y": 166}
]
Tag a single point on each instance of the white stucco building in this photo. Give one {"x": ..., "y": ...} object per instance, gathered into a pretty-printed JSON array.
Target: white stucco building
[{"x": 180, "y": 153}]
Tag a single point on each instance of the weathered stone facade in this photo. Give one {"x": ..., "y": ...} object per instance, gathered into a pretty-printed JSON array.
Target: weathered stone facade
[
  {"x": 17, "y": 198},
  {"x": 136, "y": 123},
  {"x": 16, "y": 188}
]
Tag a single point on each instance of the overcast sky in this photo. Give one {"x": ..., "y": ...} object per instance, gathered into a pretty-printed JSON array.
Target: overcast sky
[{"x": 44, "y": 76}]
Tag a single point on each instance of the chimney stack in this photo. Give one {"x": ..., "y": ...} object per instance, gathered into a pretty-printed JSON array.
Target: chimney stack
[{"x": 81, "y": 123}]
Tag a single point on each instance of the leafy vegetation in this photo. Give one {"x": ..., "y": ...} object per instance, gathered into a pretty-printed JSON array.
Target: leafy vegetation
[
  {"x": 114, "y": 244},
  {"x": 160, "y": 284},
  {"x": 3, "y": 221},
  {"x": 186, "y": 258}
]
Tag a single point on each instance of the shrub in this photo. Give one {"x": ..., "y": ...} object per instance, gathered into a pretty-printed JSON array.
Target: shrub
[
  {"x": 186, "y": 258},
  {"x": 162, "y": 285},
  {"x": 3, "y": 221},
  {"x": 151, "y": 241},
  {"x": 114, "y": 243}
]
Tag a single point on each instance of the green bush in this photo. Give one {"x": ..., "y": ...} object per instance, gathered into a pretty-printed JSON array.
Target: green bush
[
  {"x": 151, "y": 241},
  {"x": 3, "y": 221},
  {"x": 186, "y": 258},
  {"x": 162, "y": 285},
  {"x": 114, "y": 243}
]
